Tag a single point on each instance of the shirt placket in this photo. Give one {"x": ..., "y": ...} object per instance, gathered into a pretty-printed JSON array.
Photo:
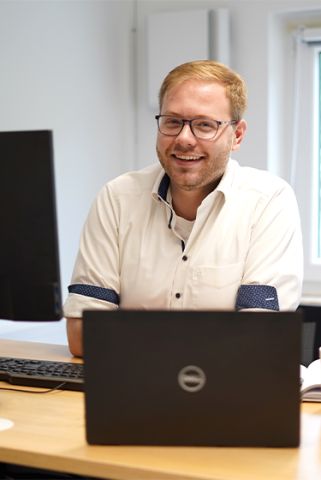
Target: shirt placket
[{"x": 178, "y": 291}]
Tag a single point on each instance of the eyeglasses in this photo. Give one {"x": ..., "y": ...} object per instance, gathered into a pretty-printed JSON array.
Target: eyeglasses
[{"x": 203, "y": 128}]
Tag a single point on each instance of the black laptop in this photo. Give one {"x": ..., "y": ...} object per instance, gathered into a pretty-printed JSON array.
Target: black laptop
[{"x": 192, "y": 378}]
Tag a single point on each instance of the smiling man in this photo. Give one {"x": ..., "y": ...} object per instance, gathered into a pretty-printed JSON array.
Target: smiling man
[{"x": 197, "y": 231}]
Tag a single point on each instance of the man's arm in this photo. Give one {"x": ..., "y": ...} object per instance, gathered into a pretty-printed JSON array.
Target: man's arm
[
  {"x": 74, "y": 335},
  {"x": 95, "y": 280},
  {"x": 274, "y": 264}
]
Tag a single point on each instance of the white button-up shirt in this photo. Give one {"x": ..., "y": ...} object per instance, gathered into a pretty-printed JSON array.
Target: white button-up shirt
[{"x": 244, "y": 250}]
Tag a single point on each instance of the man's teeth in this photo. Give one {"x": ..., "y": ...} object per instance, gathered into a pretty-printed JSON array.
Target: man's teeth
[{"x": 188, "y": 157}]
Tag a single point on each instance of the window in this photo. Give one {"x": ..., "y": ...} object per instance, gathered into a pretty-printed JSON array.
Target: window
[
  {"x": 316, "y": 156},
  {"x": 305, "y": 133},
  {"x": 318, "y": 144},
  {"x": 294, "y": 123}
]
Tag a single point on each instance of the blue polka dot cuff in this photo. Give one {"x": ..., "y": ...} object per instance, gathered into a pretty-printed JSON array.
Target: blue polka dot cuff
[
  {"x": 95, "y": 292},
  {"x": 257, "y": 296}
]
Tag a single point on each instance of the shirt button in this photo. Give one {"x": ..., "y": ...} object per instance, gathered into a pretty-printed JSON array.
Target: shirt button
[
  {"x": 184, "y": 258},
  {"x": 177, "y": 295}
]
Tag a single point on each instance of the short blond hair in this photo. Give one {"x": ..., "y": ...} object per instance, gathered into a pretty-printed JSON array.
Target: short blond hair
[{"x": 211, "y": 71}]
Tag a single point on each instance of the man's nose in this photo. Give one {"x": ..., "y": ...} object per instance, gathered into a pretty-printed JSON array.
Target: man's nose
[{"x": 186, "y": 134}]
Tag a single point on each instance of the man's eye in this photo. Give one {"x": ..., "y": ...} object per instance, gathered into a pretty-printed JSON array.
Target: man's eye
[
  {"x": 172, "y": 122},
  {"x": 204, "y": 124}
]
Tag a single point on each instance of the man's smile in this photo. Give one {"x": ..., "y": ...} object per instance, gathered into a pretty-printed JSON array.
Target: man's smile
[{"x": 187, "y": 158}]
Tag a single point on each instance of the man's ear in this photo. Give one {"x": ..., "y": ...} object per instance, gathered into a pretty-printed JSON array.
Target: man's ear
[{"x": 239, "y": 134}]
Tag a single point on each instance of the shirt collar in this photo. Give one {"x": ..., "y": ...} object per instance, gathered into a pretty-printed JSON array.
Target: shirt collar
[
  {"x": 226, "y": 184},
  {"x": 161, "y": 186}
]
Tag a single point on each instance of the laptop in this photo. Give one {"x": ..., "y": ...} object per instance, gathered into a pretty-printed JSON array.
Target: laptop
[{"x": 191, "y": 378}]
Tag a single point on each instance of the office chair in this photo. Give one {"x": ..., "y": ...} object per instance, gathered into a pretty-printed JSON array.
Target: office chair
[{"x": 311, "y": 335}]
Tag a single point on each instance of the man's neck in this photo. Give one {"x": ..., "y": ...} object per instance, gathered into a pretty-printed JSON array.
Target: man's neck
[{"x": 186, "y": 202}]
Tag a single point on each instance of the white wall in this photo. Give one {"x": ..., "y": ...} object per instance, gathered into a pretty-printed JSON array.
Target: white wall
[{"x": 68, "y": 66}]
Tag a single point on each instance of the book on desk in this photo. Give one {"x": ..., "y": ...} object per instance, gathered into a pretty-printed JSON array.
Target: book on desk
[{"x": 311, "y": 382}]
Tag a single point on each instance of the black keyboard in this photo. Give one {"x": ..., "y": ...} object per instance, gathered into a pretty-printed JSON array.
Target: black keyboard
[{"x": 42, "y": 373}]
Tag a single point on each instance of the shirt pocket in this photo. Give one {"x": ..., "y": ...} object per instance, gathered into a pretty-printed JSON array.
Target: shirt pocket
[{"x": 216, "y": 287}]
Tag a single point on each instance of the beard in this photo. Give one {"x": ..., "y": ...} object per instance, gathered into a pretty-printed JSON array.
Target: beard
[{"x": 204, "y": 173}]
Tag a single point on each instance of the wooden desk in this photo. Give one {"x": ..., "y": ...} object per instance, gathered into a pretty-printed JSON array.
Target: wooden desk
[{"x": 48, "y": 433}]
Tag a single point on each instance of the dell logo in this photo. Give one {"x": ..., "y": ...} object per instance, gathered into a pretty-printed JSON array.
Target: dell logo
[{"x": 191, "y": 378}]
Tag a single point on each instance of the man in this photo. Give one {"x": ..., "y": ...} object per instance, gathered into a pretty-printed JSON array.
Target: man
[{"x": 197, "y": 231}]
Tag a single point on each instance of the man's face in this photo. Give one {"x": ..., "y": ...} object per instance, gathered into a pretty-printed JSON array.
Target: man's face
[{"x": 190, "y": 162}]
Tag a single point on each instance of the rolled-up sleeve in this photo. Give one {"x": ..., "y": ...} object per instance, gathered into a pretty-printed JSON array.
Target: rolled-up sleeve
[{"x": 95, "y": 279}]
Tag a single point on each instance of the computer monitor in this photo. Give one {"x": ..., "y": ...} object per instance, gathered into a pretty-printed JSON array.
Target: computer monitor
[{"x": 29, "y": 261}]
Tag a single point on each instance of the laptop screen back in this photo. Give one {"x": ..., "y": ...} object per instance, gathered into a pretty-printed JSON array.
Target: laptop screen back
[{"x": 192, "y": 378}]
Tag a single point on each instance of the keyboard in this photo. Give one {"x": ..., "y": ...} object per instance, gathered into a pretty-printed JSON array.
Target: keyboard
[{"x": 42, "y": 373}]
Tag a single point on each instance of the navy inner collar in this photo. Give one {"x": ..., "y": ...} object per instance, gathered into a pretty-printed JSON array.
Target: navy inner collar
[{"x": 163, "y": 187}]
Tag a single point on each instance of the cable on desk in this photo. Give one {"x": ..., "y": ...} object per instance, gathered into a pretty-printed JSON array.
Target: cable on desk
[{"x": 49, "y": 390}]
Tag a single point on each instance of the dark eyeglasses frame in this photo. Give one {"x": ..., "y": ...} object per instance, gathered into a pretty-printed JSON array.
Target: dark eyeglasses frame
[{"x": 185, "y": 121}]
